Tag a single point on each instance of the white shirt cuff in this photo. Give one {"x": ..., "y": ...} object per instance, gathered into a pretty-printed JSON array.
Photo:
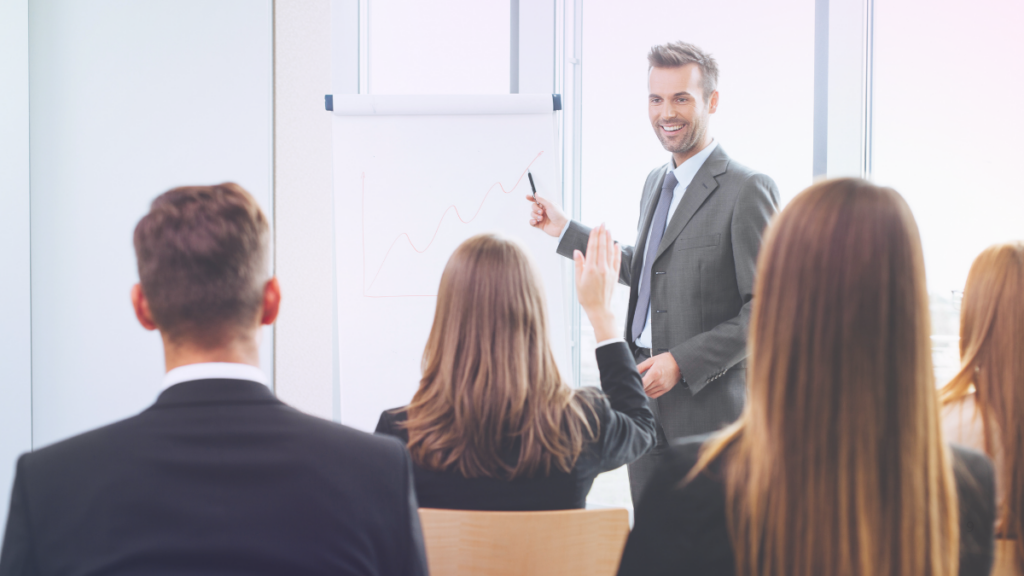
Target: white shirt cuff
[
  {"x": 610, "y": 341},
  {"x": 564, "y": 230}
]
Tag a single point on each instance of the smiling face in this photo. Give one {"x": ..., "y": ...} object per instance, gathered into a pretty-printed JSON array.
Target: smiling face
[{"x": 679, "y": 113}]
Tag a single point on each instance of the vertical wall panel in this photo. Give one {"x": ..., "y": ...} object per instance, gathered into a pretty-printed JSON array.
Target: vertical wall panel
[
  {"x": 128, "y": 100},
  {"x": 15, "y": 318},
  {"x": 536, "y": 46},
  {"x": 302, "y": 174}
]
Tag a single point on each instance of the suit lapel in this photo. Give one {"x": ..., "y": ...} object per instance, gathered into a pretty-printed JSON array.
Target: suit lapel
[
  {"x": 702, "y": 185},
  {"x": 641, "y": 243}
]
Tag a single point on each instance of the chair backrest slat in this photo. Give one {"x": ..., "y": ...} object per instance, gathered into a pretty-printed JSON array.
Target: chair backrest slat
[
  {"x": 562, "y": 542},
  {"x": 1006, "y": 558}
]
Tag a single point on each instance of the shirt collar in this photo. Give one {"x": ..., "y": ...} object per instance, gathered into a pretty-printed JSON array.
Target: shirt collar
[
  {"x": 688, "y": 169},
  {"x": 212, "y": 371}
]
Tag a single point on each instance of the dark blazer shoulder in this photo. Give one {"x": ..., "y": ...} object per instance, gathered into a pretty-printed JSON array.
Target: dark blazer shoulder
[
  {"x": 680, "y": 524},
  {"x": 346, "y": 435},
  {"x": 82, "y": 447},
  {"x": 391, "y": 423},
  {"x": 744, "y": 176},
  {"x": 972, "y": 462},
  {"x": 975, "y": 479},
  {"x": 975, "y": 487},
  {"x": 111, "y": 437}
]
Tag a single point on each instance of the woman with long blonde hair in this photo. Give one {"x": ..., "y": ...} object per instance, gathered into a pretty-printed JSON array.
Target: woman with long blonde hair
[
  {"x": 493, "y": 426},
  {"x": 837, "y": 465},
  {"x": 983, "y": 405}
]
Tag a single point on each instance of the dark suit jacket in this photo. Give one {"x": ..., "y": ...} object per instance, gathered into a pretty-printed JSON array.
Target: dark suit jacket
[
  {"x": 217, "y": 477},
  {"x": 685, "y": 529},
  {"x": 626, "y": 428},
  {"x": 702, "y": 284}
]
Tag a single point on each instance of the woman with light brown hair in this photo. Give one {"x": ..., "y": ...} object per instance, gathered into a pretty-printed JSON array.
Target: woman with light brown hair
[
  {"x": 837, "y": 465},
  {"x": 984, "y": 402},
  {"x": 493, "y": 426}
]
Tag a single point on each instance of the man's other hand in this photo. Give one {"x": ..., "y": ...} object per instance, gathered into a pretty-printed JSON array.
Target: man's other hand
[
  {"x": 662, "y": 374},
  {"x": 547, "y": 216}
]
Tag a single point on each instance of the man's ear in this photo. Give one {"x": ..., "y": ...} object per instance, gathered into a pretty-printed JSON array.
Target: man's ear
[
  {"x": 271, "y": 301},
  {"x": 141, "y": 306},
  {"x": 713, "y": 102}
]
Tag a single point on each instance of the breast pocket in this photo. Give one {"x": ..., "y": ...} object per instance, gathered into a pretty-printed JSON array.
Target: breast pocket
[{"x": 692, "y": 242}]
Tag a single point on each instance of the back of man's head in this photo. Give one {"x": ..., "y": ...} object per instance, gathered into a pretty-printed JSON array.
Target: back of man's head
[{"x": 202, "y": 254}]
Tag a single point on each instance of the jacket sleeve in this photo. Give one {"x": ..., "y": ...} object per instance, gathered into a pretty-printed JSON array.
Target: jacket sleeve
[
  {"x": 17, "y": 556},
  {"x": 627, "y": 423},
  {"x": 707, "y": 356},
  {"x": 576, "y": 238}
]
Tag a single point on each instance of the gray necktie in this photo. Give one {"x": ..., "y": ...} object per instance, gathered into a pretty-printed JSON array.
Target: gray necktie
[{"x": 643, "y": 301}]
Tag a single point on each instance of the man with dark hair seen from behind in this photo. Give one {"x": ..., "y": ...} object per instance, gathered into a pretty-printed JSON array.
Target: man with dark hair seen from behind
[
  {"x": 218, "y": 476},
  {"x": 691, "y": 269}
]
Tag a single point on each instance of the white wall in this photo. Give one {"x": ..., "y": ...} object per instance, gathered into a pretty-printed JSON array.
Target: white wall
[
  {"x": 15, "y": 296},
  {"x": 304, "y": 219},
  {"x": 128, "y": 99}
]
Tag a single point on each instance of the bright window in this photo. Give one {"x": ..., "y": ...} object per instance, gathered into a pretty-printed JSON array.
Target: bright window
[{"x": 948, "y": 136}]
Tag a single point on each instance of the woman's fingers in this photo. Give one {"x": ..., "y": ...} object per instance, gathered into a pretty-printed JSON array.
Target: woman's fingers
[
  {"x": 592, "y": 244},
  {"x": 609, "y": 249},
  {"x": 577, "y": 258}
]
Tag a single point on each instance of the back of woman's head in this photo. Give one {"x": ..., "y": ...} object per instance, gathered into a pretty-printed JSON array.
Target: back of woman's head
[
  {"x": 490, "y": 383},
  {"x": 837, "y": 464},
  {"x": 992, "y": 361}
]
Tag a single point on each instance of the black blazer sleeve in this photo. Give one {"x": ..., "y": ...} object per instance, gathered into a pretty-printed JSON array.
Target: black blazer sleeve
[
  {"x": 391, "y": 424},
  {"x": 975, "y": 487},
  {"x": 626, "y": 421},
  {"x": 386, "y": 424},
  {"x": 17, "y": 555}
]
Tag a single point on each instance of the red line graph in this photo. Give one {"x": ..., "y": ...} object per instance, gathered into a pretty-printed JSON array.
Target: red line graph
[{"x": 408, "y": 238}]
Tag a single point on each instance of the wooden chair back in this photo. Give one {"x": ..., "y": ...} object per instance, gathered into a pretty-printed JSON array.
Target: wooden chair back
[
  {"x": 561, "y": 542},
  {"x": 1006, "y": 558}
]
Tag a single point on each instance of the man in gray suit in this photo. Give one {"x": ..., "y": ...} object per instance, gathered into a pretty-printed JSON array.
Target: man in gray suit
[{"x": 691, "y": 271}]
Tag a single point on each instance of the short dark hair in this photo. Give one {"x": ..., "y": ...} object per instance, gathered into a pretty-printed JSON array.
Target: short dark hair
[
  {"x": 202, "y": 255},
  {"x": 676, "y": 54}
]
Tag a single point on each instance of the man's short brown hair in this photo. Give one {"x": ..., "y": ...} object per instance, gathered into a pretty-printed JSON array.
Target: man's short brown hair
[
  {"x": 202, "y": 254},
  {"x": 676, "y": 54}
]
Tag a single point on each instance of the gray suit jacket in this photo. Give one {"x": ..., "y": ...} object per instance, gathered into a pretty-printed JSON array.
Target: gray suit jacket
[{"x": 702, "y": 285}]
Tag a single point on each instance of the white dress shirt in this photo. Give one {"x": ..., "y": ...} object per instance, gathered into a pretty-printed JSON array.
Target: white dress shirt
[
  {"x": 213, "y": 370},
  {"x": 684, "y": 175}
]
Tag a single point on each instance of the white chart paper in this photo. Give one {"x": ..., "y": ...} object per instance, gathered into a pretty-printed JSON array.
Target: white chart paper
[{"x": 407, "y": 191}]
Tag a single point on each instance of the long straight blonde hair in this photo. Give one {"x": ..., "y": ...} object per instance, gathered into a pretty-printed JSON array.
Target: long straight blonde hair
[
  {"x": 490, "y": 383},
  {"x": 837, "y": 464},
  {"x": 992, "y": 360}
]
